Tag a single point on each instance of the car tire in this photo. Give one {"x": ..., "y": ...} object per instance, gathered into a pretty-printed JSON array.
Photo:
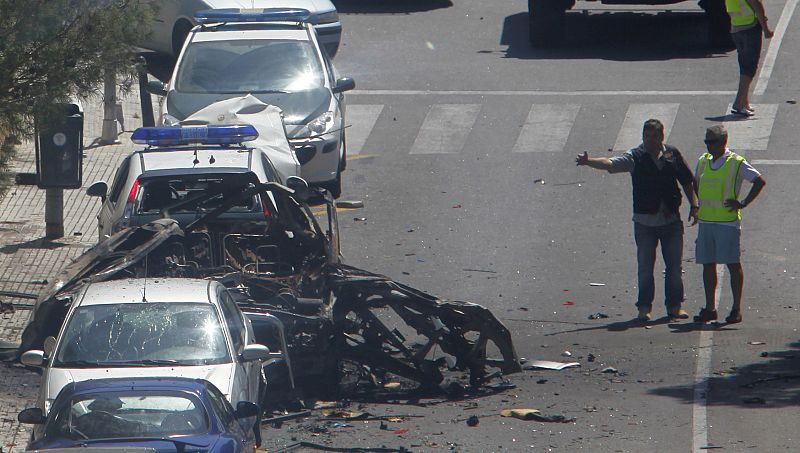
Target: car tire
[
  {"x": 179, "y": 34},
  {"x": 335, "y": 186},
  {"x": 547, "y": 21}
]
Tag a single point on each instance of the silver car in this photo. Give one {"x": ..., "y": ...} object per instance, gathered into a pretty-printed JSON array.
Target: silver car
[
  {"x": 275, "y": 56},
  {"x": 175, "y": 18}
]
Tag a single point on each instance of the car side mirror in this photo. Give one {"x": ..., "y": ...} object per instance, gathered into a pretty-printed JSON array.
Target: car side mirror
[
  {"x": 255, "y": 352},
  {"x": 156, "y": 87},
  {"x": 245, "y": 409},
  {"x": 31, "y": 416},
  {"x": 344, "y": 84},
  {"x": 98, "y": 189},
  {"x": 32, "y": 358},
  {"x": 300, "y": 187}
]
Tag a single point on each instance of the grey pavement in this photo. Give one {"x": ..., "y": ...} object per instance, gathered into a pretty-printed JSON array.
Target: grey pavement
[{"x": 28, "y": 260}]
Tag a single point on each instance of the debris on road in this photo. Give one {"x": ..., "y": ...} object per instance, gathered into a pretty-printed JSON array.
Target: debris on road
[
  {"x": 598, "y": 316},
  {"x": 609, "y": 369},
  {"x": 534, "y": 415},
  {"x": 597, "y": 284},
  {"x": 348, "y": 331},
  {"x": 473, "y": 421},
  {"x": 548, "y": 365}
]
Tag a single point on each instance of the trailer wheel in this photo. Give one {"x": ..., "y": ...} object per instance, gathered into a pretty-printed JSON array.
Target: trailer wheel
[{"x": 547, "y": 21}]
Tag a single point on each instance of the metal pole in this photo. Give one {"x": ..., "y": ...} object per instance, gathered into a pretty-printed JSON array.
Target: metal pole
[
  {"x": 144, "y": 96},
  {"x": 110, "y": 133},
  {"x": 54, "y": 213}
]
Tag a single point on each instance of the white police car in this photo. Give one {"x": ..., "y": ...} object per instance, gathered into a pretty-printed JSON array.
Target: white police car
[
  {"x": 180, "y": 164},
  {"x": 275, "y": 56},
  {"x": 175, "y": 18},
  {"x": 153, "y": 327}
]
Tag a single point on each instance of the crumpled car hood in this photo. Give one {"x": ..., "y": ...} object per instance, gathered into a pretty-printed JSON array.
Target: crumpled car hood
[{"x": 298, "y": 108}]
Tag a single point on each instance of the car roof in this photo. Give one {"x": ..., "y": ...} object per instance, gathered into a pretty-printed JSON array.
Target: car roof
[
  {"x": 249, "y": 32},
  {"x": 153, "y": 289},
  {"x": 140, "y": 383},
  {"x": 154, "y": 159}
]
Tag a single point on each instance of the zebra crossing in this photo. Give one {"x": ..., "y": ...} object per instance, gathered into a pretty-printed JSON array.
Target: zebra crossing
[{"x": 547, "y": 128}]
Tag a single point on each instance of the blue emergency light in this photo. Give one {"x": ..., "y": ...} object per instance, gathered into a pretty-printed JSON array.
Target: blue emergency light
[
  {"x": 228, "y": 134},
  {"x": 252, "y": 15}
]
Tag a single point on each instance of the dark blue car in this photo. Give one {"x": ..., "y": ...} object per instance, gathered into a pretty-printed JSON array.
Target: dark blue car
[{"x": 164, "y": 414}]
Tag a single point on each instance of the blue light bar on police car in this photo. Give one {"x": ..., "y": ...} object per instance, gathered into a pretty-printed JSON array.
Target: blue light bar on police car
[
  {"x": 209, "y": 135},
  {"x": 252, "y": 15}
]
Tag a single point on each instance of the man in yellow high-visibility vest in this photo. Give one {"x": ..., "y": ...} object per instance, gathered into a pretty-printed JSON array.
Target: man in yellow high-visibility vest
[
  {"x": 718, "y": 178},
  {"x": 748, "y": 21}
]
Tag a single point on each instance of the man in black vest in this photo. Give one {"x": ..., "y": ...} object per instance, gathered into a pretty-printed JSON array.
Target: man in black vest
[{"x": 656, "y": 169}]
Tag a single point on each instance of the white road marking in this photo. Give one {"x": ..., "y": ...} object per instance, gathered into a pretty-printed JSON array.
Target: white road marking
[
  {"x": 362, "y": 117},
  {"x": 774, "y": 46},
  {"x": 541, "y": 93},
  {"x": 547, "y": 128},
  {"x": 702, "y": 375},
  {"x": 445, "y": 128},
  {"x": 630, "y": 135},
  {"x": 751, "y": 133},
  {"x": 775, "y": 162}
]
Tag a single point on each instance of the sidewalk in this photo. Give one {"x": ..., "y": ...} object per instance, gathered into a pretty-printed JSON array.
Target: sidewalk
[{"x": 28, "y": 260}]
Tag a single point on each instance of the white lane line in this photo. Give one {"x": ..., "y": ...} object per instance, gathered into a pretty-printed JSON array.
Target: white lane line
[
  {"x": 775, "y": 162},
  {"x": 539, "y": 93},
  {"x": 445, "y": 128},
  {"x": 630, "y": 135},
  {"x": 702, "y": 376},
  {"x": 362, "y": 117},
  {"x": 751, "y": 133},
  {"x": 547, "y": 128},
  {"x": 774, "y": 46}
]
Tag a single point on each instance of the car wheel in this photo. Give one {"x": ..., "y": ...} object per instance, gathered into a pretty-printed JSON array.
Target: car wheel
[
  {"x": 547, "y": 21},
  {"x": 179, "y": 34},
  {"x": 335, "y": 186}
]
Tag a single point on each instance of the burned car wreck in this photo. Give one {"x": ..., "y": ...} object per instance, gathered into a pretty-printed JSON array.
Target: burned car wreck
[{"x": 344, "y": 330}]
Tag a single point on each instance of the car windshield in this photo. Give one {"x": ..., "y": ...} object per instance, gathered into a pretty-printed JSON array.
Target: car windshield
[
  {"x": 142, "y": 334},
  {"x": 162, "y": 192},
  {"x": 124, "y": 415},
  {"x": 249, "y": 66}
]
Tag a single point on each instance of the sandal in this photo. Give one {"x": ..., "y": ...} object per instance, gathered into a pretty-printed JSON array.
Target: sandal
[
  {"x": 743, "y": 112},
  {"x": 734, "y": 318},
  {"x": 706, "y": 316}
]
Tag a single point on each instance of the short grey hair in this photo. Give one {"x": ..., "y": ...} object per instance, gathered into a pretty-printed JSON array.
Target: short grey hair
[{"x": 719, "y": 132}]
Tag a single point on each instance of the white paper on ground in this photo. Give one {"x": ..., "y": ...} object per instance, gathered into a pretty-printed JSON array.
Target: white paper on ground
[{"x": 547, "y": 364}]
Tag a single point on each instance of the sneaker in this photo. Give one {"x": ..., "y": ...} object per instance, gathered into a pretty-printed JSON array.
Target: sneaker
[
  {"x": 644, "y": 314},
  {"x": 734, "y": 318},
  {"x": 706, "y": 316},
  {"x": 678, "y": 314}
]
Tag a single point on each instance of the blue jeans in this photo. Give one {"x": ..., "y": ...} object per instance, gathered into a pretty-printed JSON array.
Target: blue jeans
[{"x": 647, "y": 238}]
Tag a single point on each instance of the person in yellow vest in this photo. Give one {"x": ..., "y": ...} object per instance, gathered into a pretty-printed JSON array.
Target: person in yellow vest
[
  {"x": 748, "y": 21},
  {"x": 718, "y": 179}
]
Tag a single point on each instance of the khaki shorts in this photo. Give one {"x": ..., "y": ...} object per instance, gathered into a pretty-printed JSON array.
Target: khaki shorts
[{"x": 717, "y": 244}]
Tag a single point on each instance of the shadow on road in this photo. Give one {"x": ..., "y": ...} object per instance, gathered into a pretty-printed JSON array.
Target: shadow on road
[
  {"x": 40, "y": 243},
  {"x": 771, "y": 381},
  {"x": 389, "y": 6},
  {"x": 618, "y": 36}
]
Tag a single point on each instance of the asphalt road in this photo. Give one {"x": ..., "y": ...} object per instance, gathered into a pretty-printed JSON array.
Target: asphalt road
[{"x": 462, "y": 148}]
